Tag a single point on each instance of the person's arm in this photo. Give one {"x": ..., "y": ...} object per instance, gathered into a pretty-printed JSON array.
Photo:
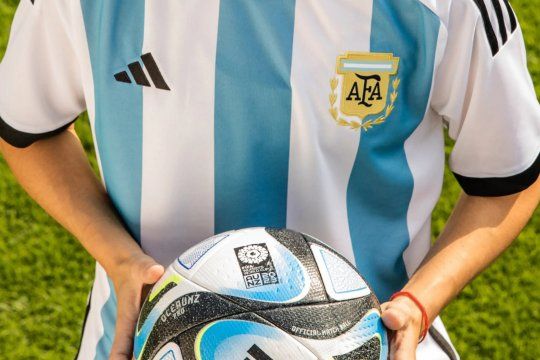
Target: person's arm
[
  {"x": 56, "y": 173},
  {"x": 478, "y": 231},
  {"x": 39, "y": 99},
  {"x": 484, "y": 94}
]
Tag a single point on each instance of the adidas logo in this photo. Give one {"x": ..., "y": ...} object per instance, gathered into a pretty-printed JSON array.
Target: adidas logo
[
  {"x": 257, "y": 353},
  {"x": 137, "y": 72}
]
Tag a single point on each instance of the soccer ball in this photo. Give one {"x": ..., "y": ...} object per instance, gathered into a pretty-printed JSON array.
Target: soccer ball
[{"x": 261, "y": 294}]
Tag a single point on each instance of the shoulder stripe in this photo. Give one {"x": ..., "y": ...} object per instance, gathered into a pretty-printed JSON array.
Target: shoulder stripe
[
  {"x": 20, "y": 139},
  {"x": 492, "y": 38},
  {"x": 500, "y": 19},
  {"x": 498, "y": 186},
  {"x": 513, "y": 20}
]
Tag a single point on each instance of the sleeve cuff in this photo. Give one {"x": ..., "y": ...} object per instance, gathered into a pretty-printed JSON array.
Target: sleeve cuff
[
  {"x": 500, "y": 186},
  {"x": 22, "y": 139}
]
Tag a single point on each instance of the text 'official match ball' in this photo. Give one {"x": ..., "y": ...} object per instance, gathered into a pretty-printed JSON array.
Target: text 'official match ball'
[{"x": 261, "y": 294}]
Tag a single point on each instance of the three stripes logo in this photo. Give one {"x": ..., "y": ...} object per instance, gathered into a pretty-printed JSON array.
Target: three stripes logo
[
  {"x": 256, "y": 353},
  {"x": 139, "y": 76},
  {"x": 504, "y": 13}
]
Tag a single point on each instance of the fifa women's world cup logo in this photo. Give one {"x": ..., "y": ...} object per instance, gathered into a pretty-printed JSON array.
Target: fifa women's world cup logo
[{"x": 365, "y": 89}]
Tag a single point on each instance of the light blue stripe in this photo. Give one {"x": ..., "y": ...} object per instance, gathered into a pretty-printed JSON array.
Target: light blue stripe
[
  {"x": 252, "y": 112},
  {"x": 381, "y": 183},
  {"x": 367, "y": 62},
  {"x": 115, "y": 32},
  {"x": 365, "y": 68},
  {"x": 108, "y": 315}
]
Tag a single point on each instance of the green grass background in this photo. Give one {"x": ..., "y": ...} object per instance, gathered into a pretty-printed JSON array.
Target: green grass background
[{"x": 45, "y": 274}]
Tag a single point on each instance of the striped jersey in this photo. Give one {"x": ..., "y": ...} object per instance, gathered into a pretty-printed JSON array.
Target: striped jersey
[{"x": 323, "y": 116}]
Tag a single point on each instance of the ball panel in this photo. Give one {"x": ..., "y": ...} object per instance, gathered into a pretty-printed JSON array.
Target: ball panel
[
  {"x": 179, "y": 309},
  {"x": 246, "y": 348},
  {"x": 368, "y": 350},
  {"x": 191, "y": 257},
  {"x": 341, "y": 280},
  {"x": 370, "y": 326},
  {"x": 322, "y": 321},
  {"x": 232, "y": 339},
  {"x": 171, "y": 351},
  {"x": 168, "y": 281},
  {"x": 313, "y": 241},
  {"x": 251, "y": 264},
  {"x": 297, "y": 244}
]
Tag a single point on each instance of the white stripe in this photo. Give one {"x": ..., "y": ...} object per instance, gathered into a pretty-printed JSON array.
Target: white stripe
[
  {"x": 322, "y": 153},
  {"x": 177, "y": 209},
  {"x": 93, "y": 329},
  {"x": 427, "y": 173}
]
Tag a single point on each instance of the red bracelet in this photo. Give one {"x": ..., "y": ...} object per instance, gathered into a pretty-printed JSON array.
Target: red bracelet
[{"x": 425, "y": 321}]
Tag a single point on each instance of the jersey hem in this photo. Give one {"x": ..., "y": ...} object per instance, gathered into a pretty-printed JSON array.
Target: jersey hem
[
  {"x": 500, "y": 186},
  {"x": 445, "y": 346},
  {"x": 21, "y": 139},
  {"x": 86, "y": 313}
]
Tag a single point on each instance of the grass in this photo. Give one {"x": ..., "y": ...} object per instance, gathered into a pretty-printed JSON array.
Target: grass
[{"x": 46, "y": 274}]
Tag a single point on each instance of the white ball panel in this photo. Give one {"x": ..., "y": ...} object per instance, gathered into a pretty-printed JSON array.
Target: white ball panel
[
  {"x": 342, "y": 282},
  {"x": 171, "y": 351},
  {"x": 248, "y": 263}
]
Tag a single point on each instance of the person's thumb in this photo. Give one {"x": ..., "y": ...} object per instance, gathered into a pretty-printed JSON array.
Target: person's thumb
[
  {"x": 148, "y": 270},
  {"x": 394, "y": 317}
]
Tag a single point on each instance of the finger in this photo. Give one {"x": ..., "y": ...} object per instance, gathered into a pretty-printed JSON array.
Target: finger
[
  {"x": 126, "y": 321},
  {"x": 153, "y": 273},
  {"x": 147, "y": 270},
  {"x": 395, "y": 316},
  {"x": 404, "y": 344}
]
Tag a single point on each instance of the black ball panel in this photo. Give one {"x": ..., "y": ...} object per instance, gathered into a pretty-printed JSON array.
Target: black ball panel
[
  {"x": 322, "y": 321},
  {"x": 184, "y": 313}
]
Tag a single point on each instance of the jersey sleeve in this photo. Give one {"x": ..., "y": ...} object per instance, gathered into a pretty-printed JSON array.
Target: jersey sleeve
[
  {"x": 485, "y": 94},
  {"x": 40, "y": 82}
]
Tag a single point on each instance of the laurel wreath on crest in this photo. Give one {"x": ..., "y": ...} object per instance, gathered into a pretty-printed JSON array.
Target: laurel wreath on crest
[{"x": 365, "y": 125}]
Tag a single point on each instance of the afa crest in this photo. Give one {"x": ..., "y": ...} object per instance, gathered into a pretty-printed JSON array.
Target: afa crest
[{"x": 364, "y": 90}]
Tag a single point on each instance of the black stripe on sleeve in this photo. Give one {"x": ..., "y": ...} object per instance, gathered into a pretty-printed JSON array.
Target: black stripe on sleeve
[
  {"x": 500, "y": 186},
  {"x": 138, "y": 74},
  {"x": 492, "y": 38},
  {"x": 500, "y": 20},
  {"x": 512, "y": 15},
  {"x": 20, "y": 139},
  {"x": 154, "y": 72}
]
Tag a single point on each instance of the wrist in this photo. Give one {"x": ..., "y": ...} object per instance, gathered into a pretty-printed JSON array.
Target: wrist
[
  {"x": 432, "y": 295},
  {"x": 116, "y": 253}
]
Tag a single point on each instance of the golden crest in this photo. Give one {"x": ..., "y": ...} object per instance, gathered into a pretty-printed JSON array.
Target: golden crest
[{"x": 366, "y": 87}]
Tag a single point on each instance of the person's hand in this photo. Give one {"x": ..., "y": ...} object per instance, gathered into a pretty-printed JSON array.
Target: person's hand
[
  {"x": 404, "y": 320},
  {"x": 130, "y": 280}
]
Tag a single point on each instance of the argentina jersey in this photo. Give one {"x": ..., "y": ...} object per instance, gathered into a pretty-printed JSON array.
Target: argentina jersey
[{"x": 323, "y": 116}]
